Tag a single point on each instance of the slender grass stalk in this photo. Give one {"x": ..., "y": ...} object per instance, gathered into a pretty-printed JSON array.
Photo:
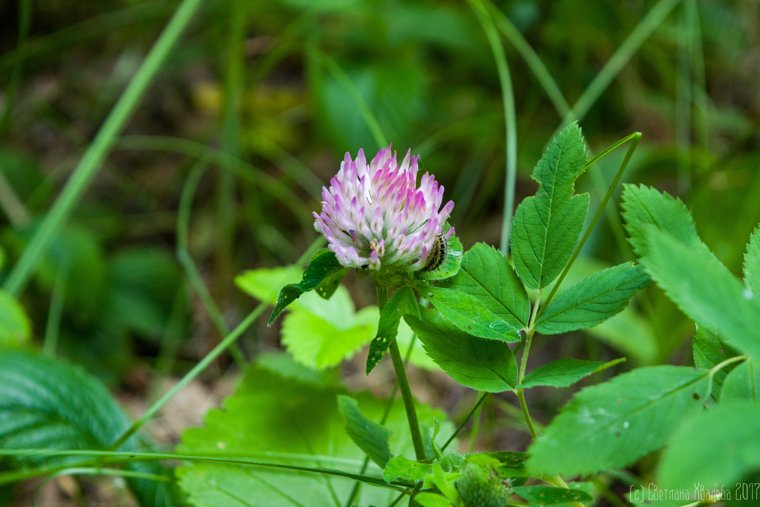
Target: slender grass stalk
[
  {"x": 702, "y": 119},
  {"x": 510, "y": 119},
  {"x": 534, "y": 62},
  {"x": 634, "y": 142},
  {"x": 464, "y": 422},
  {"x": 205, "y": 362},
  {"x": 189, "y": 266},
  {"x": 684, "y": 101},
  {"x": 122, "y": 456},
  {"x": 14, "y": 209},
  {"x": 620, "y": 58},
  {"x": 97, "y": 151},
  {"x": 57, "y": 297}
]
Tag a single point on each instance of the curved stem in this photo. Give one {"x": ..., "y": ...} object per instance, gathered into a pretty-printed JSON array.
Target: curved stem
[{"x": 403, "y": 382}]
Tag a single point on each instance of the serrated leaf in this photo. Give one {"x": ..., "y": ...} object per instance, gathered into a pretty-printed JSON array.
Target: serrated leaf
[
  {"x": 611, "y": 425},
  {"x": 483, "y": 365},
  {"x": 487, "y": 276},
  {"x": 708, "y": 350},
  {"x": 401, "y": 302},
  {"x": 508, "y": 463},
  {"x": 742, "y": 383},
  {"x": 371, "y": 437},
  {"x": 271, "y": 418},
  {"x": 545, "y": 233},
  {"x": 48, "y": 404},
  {"x": 264, "y": 284},
  {"x": 323, "y": 265},
  {"x": 704, "y": 289},
  {"x": 593, "y": 300},
  {"x": 751, "y": 265},
  {"x": 548, "y": 495},
  {"x": 565, "y": 372},
  {"x": 714, "y": 449},
  {"x": 470, "y": 315},
  {"x": 400, "y": 468},
  {"x": 452, "y": 262},
  {"x": 644, "y": 207},
  {"x": 547, "y": 226},
  {"x": 15, "y": 328},
  {"x": 321, "y": 333}
]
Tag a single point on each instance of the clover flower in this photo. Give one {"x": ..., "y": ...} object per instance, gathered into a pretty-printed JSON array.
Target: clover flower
[{"x": 374, "y": 215}]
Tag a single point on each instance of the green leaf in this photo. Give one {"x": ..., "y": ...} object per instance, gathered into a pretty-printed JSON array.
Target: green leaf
[
  {"x": 426, "y": 499},
  {"x": 400, "y": 468},
  {"x": 613, "y": 424},
  {"x": 742, "y": 383},
  {"x": 704, "y": 289},
  {"x": 545, "y": 233},
  {"x": 644, "y": 207},
  {"x": 565, "y": 372},
  {"x": 487, "y": 276},
  {"x": 470, "y": 315},
  {"x": 709, "y": 350},
  {"x": 714, "y": 449},
  {"x": 752, "y": 262},
  {"x": 323, "y": 265},
  {"x": 371, "y": 437},
  {"x": 329, "y": 285},
  {"x": 321, "y": 333},
  {"x": 483, "y": 365},
  {"x": 49, "y": 404},
  {"x": 593, "y": 300},
  {"x": 263, "y": 284},
  {"x": 401, "y": 302},
  {"x": 548, "y": 495},
  {"x": 271, "y": 418},
  {"x": 547, "y": 226},
  {"x": 452, "y": 261},
  {"x": 15, "y": 328}
]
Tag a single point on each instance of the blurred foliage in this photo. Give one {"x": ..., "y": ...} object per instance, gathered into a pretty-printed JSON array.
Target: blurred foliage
[{"x": 269, "y": 95}]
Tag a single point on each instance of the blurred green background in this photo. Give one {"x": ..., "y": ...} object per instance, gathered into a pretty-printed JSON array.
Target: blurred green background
[{"x": 259, "y": 102}]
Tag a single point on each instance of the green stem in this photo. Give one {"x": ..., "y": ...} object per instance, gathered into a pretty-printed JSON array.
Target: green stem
[
  {"x": 464, "y": 422},
  {"x": 510, "y": 118},
  {"x": 97, "y": 151},
  {"x": 634, "y": 140},
  {"x": 403, "y": 382}
]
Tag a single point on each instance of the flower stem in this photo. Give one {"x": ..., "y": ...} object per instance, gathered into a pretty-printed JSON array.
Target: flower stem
[{"x": 403, "y": 382}]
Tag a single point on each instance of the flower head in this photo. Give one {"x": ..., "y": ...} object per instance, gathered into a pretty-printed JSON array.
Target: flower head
[{"x": 375, "y": 216}]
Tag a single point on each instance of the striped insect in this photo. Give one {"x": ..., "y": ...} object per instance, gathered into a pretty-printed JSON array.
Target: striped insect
[{"x": 437, "y": 253}]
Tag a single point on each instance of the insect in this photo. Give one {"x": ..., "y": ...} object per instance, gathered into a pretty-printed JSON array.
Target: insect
[{"x": 437, "y": 254}]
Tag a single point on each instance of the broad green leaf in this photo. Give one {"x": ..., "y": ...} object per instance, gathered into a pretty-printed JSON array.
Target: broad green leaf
[
  {"x": 275, "y": 419},
  {"x": 452, "y": 262},
  {"x": 487, "y": 276},
  {"x": 321, "y": 333},
  {"x": 709, "y": 350},
  {"x": 400, "y": 468},
  {"x": 432, "y": 500},
  {"x": 48, "y": 404},
  {"x": 611, "y": 425},
  {"x": 483, "y": 365},
  {"x": 418, "y": 357},
  {"x": 470, "y": 315},
  {"x": 401, "y": 302},
  {"x": 371, "y": 437},
  {"x": 547, "y": 226},
  {"x": 704, "y": 289},
  {"x": 644, "y": 207},
  {"x": 323, "y": 265},
  {"x": 264, "y": 284},
  {"x": 714, "y": 449},
  {"x": 15, "y": 328},
  {"x": 752, "y": 262},
  {"x": 545, "y": 233},
  {"x": 548, "y": 495},
  {"x": 742, "y": 383},
  {"x": 329, "y": 285},
  {"x": 565, "y": 372},
  {"x": 508, "y": 463},
  {"x": 593, "y": 300}
]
